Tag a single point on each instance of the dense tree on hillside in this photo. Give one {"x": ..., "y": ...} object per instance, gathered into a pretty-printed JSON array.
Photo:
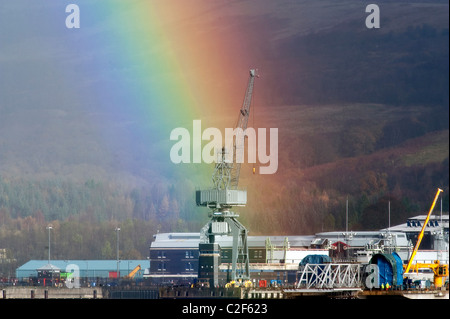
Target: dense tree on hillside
[
  {"x": 26, "y": 238},
  {"x": 58, "y": 200},
  {"x": 404, "y": 67},
  {"x": 376, "y": 216},
  {"x": 356, "y": 141}
]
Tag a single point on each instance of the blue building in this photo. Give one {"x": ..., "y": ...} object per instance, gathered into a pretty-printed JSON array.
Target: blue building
[{"x": 88, "y": 269}]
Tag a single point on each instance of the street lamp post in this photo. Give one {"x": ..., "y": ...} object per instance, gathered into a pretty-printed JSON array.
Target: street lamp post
[
  {"x": 49, "y": 227},
  {"x": 117, "y": 241}
]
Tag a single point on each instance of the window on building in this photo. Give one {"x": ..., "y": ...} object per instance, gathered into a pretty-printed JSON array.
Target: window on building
[
  {"x": 161, "y": 254},
  {"x": 257, "y": 254},
  {"x": 189, "y": 266},
  {"x": 161, "y": 266},
  {"x": 224, "y": 254}
]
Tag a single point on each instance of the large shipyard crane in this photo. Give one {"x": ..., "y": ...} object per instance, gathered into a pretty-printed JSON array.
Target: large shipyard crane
[{"x": 225, "y": 194}]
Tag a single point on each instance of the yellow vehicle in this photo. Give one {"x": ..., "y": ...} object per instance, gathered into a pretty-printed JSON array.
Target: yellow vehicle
[
  {"x": 133, "y": 272},
  {"x": 239, "y": 283},
  {"x": 440, "y": 271}
]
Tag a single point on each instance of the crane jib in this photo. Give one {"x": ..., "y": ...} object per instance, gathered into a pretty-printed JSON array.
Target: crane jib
[{"x": 226, "y": 175}]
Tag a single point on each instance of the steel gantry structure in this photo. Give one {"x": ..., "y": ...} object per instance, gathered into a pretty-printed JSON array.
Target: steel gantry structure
[{"x": 329, "y": 275}]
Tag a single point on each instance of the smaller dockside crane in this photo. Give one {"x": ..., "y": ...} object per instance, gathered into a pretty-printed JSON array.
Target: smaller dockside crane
[{"x": 440, "y": 270}]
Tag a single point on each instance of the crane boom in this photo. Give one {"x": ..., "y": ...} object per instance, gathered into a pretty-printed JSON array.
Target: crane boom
[
  {"x": 242, "y": 124},
  {"x": 419, "y": 238},
  {"x": 226, "y": 173}
]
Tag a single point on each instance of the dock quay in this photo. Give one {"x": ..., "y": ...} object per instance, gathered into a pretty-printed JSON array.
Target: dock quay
[
  {"x": 221, "y": 293},
  {"x": 272, "y": 293},
  {"x": 50, "y": 293},
  {"x": 201, "y": 292},
  {"x": 404, "y": 294}
]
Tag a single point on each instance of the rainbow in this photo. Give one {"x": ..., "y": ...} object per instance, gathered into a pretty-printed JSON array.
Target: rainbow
[{"x": 160, "y": 65}]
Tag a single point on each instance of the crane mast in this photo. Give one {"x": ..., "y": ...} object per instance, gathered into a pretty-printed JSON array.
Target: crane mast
[{"x": 220, "y": 198}]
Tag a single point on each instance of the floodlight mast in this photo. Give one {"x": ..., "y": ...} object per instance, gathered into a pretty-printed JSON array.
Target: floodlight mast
[{"x": 225, "y": 194}]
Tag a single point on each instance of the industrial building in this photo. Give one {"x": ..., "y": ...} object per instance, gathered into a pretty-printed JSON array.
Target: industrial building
[
  {"x": 399, "y": 238},
  {"x": 174, "y": 257},
  {"x": 436, "y": 232}
]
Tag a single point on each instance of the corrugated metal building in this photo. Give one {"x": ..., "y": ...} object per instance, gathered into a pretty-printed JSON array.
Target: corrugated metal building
[
  {"x": 87, "y": 268},
  {"x": 175, "y": 256}
]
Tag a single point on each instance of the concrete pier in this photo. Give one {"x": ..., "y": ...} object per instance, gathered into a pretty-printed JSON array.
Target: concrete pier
[{"x": 50, "y": 293}]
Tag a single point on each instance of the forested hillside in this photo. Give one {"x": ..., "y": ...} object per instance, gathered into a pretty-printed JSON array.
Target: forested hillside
[
  {"x": 362, "y": 115},
  {"x": 319, "y": 171}
]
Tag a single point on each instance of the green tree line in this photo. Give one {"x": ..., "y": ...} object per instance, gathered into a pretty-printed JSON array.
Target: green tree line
[{"x": 84, "y": 216}]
